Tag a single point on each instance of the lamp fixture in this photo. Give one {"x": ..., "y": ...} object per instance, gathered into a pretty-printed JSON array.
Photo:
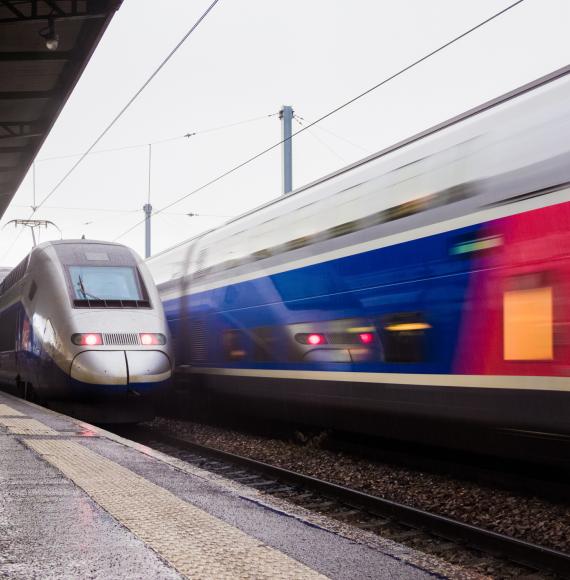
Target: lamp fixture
[{"x": 50, "y": 35}]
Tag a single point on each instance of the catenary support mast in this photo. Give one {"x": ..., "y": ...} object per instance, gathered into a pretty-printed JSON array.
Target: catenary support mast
[{"x": 286, "y": 116}]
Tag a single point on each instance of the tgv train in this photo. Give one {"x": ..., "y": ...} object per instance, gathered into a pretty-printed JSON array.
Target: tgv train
[
  {"x": 428, "y": 284},
  {"x": 82, "y": 327}
]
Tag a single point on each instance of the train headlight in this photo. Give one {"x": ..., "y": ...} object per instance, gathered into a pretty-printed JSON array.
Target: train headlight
[
  {"x": 366, "y": 337},
  {"x": 152, "y": 338},
  {"x": 87, "y": 339},
  {"x": 313, "y": 338}
]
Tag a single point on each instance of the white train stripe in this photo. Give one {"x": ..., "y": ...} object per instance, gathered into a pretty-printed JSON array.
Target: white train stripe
[
  {"x": 534, "y": 383},
  {"x": 482, "y": 216}
]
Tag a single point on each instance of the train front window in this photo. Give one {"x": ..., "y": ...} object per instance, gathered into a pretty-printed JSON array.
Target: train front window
[{"x": 104, "y": 283}]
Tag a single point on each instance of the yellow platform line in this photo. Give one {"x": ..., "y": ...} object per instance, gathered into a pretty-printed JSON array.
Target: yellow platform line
[
  {"x": 194, "y": 542},
  {"x": 6, "y": 410},
  {"x": 24, "y": 426}
]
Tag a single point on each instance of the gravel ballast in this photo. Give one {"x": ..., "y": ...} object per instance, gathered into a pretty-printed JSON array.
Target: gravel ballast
[{"x": 527, "y": 518}]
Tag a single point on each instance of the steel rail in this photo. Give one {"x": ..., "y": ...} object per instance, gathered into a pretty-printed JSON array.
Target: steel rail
[{"x": 493, "y": 543}]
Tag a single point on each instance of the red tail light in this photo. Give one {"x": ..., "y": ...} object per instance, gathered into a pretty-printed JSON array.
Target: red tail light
[
  {"x": 366, "y": 337},
  {"x": 152, "y": 338},
  {"x": 87, "y": 339},
  {"x": 313, "y": 339}
]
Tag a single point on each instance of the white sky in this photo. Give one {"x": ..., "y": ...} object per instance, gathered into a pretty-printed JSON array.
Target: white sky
[{"x": 245, "y": 60}]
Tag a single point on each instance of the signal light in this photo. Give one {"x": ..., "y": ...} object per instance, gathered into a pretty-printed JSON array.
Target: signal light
[
  {"x": 152, "y": 338},
  {"x": 366, "y": 337},
  {"x": 87, "y": 339},
  {"x": 313, "y": 338}
]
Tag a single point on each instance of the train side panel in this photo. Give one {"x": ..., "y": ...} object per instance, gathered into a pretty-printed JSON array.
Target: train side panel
[
  {"x": 428, "y": 282},
  {"x": 438, "y": 308}
]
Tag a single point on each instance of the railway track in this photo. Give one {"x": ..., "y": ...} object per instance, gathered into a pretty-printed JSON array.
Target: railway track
[
  {"x": 404, "y": 523},
  {"x": 551, "y": 482}
]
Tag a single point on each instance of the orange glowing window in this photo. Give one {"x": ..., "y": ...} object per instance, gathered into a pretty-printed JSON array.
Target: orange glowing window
[{"x": 527, "y": 324}]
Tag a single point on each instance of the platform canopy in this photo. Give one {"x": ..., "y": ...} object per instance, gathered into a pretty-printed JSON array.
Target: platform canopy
[{"x": 36, "y": 81}]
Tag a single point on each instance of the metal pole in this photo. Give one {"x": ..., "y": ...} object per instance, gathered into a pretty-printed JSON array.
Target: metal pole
[
  {"x": 149, "y": 169},
  {"x": 286, "y": 116},
  {"x": 34, "y": 185},
  {"x": 148, "y": 208},
  {"x": 147, "y": 212}
]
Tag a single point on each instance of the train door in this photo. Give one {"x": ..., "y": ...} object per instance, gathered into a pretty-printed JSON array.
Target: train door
[
  {"x": 516, "y": 323},
  {"x": 517, "y": 319}
]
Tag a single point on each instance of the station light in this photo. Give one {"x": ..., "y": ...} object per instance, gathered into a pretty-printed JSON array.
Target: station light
[
  {"x": 87, "y": 339},
  {"x": 50, "y": 35}
]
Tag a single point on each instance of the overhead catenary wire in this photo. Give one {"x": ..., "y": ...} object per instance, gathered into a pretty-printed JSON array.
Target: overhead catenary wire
[
  {"x": 330, "y": 113},
  {"x": 186, "y": 135},
  {"x": 127, "y": 105},
  {"x": 149, "y": 148},
  {"x": 139, "y": 145},
  {"x": 327, "y": 130},
  {"x": 70, "y": 208},
  {"x": 321, "y": 141},
  {"x": 11, "y": 246}
]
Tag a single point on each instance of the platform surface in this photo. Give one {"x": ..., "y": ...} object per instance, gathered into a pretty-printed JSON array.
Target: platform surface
[{"x": 79, "y": 502}]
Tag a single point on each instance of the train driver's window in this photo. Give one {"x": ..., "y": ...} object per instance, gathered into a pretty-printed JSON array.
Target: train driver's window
[
  {"x": 105, "y": 282},
  {"x": 528, "y": 318}
]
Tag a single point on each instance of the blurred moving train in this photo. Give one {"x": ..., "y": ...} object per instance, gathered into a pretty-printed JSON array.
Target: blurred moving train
[
  {"x": 82, "y": 326},
  {"x": 428, "y": 284}
]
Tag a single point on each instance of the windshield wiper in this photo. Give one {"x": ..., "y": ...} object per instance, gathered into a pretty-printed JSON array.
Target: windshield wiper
[{"x": 84, "y": 292}]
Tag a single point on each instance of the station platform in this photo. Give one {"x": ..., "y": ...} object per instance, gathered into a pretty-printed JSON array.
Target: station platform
[{"x": 79, "y": 502}]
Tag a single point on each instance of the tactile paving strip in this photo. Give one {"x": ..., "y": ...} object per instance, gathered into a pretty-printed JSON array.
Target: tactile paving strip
[
  {"x": 194, "y": 542},
  {"x": 24, "y": 426},
  {"x": 6, "y": 410}
]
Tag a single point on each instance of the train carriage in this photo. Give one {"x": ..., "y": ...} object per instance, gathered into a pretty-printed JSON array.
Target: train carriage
[
  {"x": 82, "y": 328},
  {"x": 427, "y": 283}
]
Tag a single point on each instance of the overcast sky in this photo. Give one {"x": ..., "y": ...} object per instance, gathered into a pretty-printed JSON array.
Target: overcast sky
[{"x": 245, "y": 61}]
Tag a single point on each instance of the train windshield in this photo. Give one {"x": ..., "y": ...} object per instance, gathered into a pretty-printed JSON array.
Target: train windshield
[{"x": 105, "y": 283}]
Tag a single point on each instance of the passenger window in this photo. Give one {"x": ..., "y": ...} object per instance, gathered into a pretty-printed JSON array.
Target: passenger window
[
  {"x": 262, "y": 254},
  {"x": 343, "y": 229},
  {"x": 527, "y": 318},
  {"x": 403, "y": 210},
  {"x": 298, "y": 243},
  {"x": 234, "y": 345},
  {"x": 404, "y": 337}
]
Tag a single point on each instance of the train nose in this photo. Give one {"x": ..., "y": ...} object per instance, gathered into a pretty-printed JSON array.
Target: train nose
[
  {"x": 147, "y": 366},
  {"x": 121, "y": 367}
]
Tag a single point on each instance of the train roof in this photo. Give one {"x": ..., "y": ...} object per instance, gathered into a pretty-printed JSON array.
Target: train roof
[
  {"x": 76, "y": 241},
  {"x": 526, "y": 88},
  {"x": 6, "y": 270}
]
